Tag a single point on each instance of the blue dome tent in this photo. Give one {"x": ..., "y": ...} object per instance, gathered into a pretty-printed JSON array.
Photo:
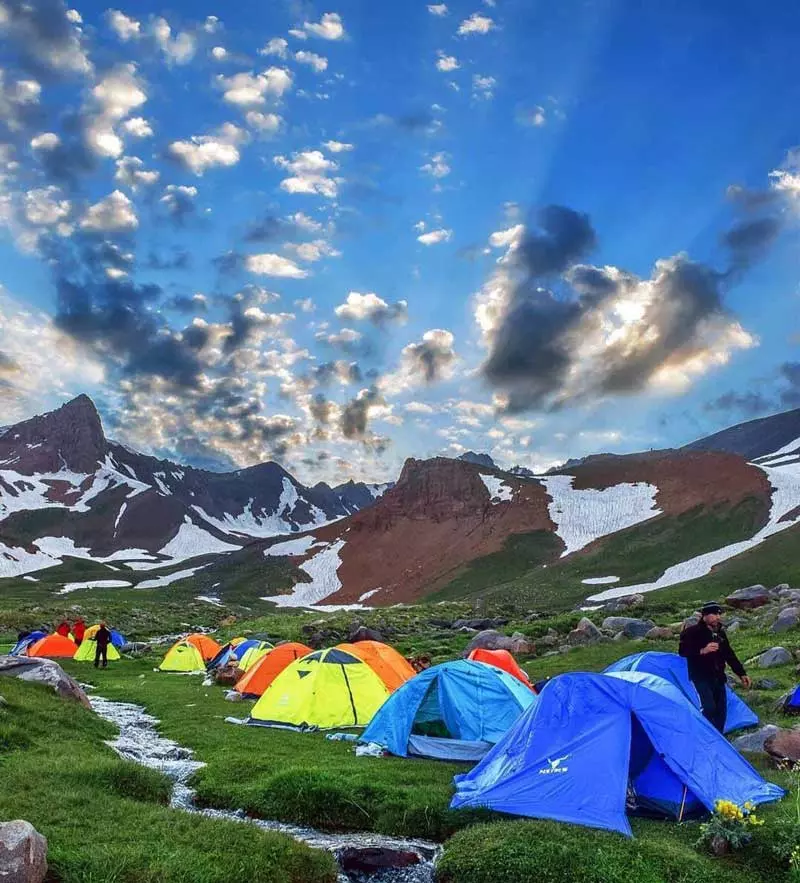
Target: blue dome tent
[
  {"x": 673, "y": 668},
  {"x": 453, "y": 711},
  {"x": 22, "y": 645},
  {"x": 117, "y": 639},
  {"x": 232, "y": 653},
  {"x": 595, "y": 745}
]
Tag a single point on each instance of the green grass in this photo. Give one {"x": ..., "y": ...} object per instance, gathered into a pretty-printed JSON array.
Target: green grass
[{"x": 106, "y": 820}]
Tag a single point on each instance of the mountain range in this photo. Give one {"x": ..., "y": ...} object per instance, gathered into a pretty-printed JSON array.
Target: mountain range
[{"x": 602, "y": 526}]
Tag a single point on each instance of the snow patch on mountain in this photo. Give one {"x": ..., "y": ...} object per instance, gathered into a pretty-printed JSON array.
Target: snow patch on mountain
[
  {"x": 15, "y": 561},
  {"x": 600, "y": 580},
  {"x": 169, "y": 578},
  {"x": 94, "y": 584},
  {"x": 192, "y": 541},
  {"x": 785, "y": 481},
  {"x": 297, "y": 547},
  {"x": 582, "y": 516},
  {"x": 499, "y": 491},
  {"x": 322, "y": 568}
]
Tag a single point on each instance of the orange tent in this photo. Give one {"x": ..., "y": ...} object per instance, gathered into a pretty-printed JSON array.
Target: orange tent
[
  {"x": 501, "y": 659},
  {"x": 53, "y": 645},
  {"x": 259, "y": 676},
  {"x": 208, "y": 647},
  {"x": 392, "y": 668}
]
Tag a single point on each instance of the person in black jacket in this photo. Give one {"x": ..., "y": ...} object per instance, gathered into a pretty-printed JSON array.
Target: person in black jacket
[
  {"x": 102, "y": 640},
  {"x": 707, "y": 651}
]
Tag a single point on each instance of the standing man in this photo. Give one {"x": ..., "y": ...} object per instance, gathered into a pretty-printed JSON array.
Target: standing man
[
  {"x": 707, "y": 651},
  {"x": 103, "y": 639}
]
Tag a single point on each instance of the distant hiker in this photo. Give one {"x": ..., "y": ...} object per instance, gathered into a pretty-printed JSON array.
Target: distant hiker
[
  {"x": 102, "y": 639},
  {"x": 707, "y": 651},
  {"x": 78, "y": 631},
  {"x": 63, "y": 629}
]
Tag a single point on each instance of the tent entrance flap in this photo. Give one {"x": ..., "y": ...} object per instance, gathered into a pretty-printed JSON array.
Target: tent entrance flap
[{"x": 429, "y": 719}]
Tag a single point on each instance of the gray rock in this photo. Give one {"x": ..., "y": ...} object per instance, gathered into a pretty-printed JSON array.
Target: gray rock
[
  {"x": 749, "y": 598},
  {"x": 781, "y": 587},
  {"x": 23, "y": 853},
  {"x": 233, "y": 696},
  {"x": 479, "y": 625},
  {"x": 788, "y": 618},
  {"x": 43, "y": 671},
  {"x": 626, "y": 602},
  {"x": 765, "y": 684},
  {"x": 630, "y": 627},
  {"x": 547, "y": 641},
  {"x": 783, "y": 745},
  {"x": 733, "y": 627},
  {"x": 490, "y": 639},
  {"x": 660, "y": 633},
  {"x": 773, "y": 657},
  {"x": 755, "y": 741},
  {"x": 585, "y": 632},
  {"x": 362, "y": 633}
]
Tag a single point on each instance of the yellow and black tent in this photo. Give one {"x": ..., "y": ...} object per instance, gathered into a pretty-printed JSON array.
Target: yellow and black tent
[{"x": 183, "y": 656}]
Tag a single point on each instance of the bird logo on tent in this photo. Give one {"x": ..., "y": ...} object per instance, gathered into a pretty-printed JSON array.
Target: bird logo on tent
[{"x": 555, "y": 766}]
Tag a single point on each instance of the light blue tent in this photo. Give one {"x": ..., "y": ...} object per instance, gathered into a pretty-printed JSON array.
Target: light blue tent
[
  {"x": 595, "y": 745},
  {"x": 117, "y": 639},
  {"x": 20, "y": 648},
  {"x": 453, "y": 711},
  {"x": 232, "y": 653},
  {"x": 674, "y": 669}
]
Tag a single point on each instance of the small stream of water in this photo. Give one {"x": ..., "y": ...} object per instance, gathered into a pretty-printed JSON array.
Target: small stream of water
[{"x": 140, "y": 741}]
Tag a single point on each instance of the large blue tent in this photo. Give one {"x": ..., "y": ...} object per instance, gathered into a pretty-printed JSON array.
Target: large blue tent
[
  {"x": 20, "y": 648},
  {"x": 453, "y": 711},
  {"x": 674, "y": 669},
  {"x": 595, "y": 745}
]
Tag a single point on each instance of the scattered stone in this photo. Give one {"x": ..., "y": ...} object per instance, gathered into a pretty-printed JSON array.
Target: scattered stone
[
  {"x": 773, "y": 657},
  {"x": 784, "y": 745},
  {"x": 626, "y": 602},
  {"x": 564, "y": 648},
  {"x": 749, "y": 598},
  {"x": 370, "y": 859},
  {"x": 23, "y": 853},
  {"x": 631, "y": 628},
  {"x": 585, "y": 632},
  {"x": 466, "y": 630},
  {"x": 660, "y": 633},
  {"x": 227, "y": 675},
  {"x": 490, "y": 639},
  {"x": 441, "y": 623},
  {"x": 362, "y": 633},
  {"x": 788, "y": 618},
  {"x": 733, "y": 627},
  {"x": 233, "y": 696},
  {"x": 765, "y": 684},
  {"x": 548, "y": 640},
  {"x": 43, "y": 671},
  {"x": 755, "y": 741},
  {"x": 782, "y": 587},
  {"x": 479, "y": 625}
]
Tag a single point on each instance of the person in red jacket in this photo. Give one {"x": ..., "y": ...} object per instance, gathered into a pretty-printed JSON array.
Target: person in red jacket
[
  {"x": 78, "y": 631},
  {"x": 707, "y": 651},
  {"x": 63, "y": 629}
]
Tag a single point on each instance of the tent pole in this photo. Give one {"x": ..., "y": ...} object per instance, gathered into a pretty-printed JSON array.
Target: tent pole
[{"x": 683, "y": 804}]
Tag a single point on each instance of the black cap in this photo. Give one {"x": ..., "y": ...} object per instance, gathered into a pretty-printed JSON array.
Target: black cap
[{"x": 711, "y": 607}]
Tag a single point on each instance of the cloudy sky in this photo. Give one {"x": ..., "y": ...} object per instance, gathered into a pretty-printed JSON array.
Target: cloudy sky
[{"x": 340, "y": 235}]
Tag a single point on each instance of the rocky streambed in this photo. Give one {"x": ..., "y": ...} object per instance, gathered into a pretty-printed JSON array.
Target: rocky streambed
[{"x": 362, "y": 857}]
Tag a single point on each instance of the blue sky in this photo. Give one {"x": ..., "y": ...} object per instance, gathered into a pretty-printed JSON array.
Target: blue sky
[{"x": 339, "y": 235}]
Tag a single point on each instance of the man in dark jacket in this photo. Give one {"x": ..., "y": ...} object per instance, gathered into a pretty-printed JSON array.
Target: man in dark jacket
[
  {"x": 707, "y": 651},
  {"x": 102, "y": 639}
]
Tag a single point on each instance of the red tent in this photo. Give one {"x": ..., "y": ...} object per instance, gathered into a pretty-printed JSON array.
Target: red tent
[{"x": 501, "y": 659}]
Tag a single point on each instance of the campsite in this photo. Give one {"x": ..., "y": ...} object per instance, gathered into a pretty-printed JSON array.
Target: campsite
[{"x": 304, "y": 779}]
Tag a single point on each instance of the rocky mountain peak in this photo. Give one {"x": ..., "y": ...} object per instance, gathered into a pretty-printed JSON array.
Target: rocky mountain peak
[{"x": 478, "y": 459}]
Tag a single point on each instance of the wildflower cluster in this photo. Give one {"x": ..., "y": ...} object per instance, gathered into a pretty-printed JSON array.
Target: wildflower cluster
[{"x": 730, "y": 827}]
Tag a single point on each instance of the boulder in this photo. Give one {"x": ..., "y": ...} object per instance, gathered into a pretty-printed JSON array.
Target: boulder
[
  {"x": 490, "y": 639},
  {"x": 548, "y": 641},
  {"x": 626, "y": 602},
  {"x": 784, "y": 745},
  {"x": 630, "y": 627},
  {"x": 440, "y": 623},
  {"x": 773, "y": 657},
  {"x": 782, "y": 587},
  {"x": 479, "y": 625},
  {"x": 788, "y": 618},
  {"x": 23, "y": 853},
  {"x": 749, "y": 598},
  {"x": 372, "y": 859},
  {"x": 227, "y": 675},
  {"x": 733, "y": 627},
  {"x": 43, "y": 671},
  {"x": 660, "y": 633},
  {"x": 755, "y": 741},
  {"x": 362, "y": 633},
  {"x": 765, "y": 684}
]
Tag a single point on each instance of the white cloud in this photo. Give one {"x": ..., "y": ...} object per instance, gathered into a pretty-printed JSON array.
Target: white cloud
[
  {"x": 118, "y": 93},
  {"x": 124, "y": 27},
  {"x": 329, "y": 27},
  {"x": 311, "y": 252},
  {"x": 298, "y": 34},
  {"x": 309, "y": 171},
  {"x": 504, "y": 238},
  {"x": 536, "y": 117},
  {"x": 419, "y": 408},
  {"x": 267, "y": 123},
  {"x": 212, "y": 24},
  {"x": 274, "y": 265},
  {"x": 476, "y": 24},
  {"x": 249, "y": 89},
  {"x": 306, "y": 305},
  {"x": 437, "y": 166},
  {"x": 345, "y": 338},
  {"x": 434, "y": 237},
  {"x": 180, "y": 48},
  {"x": 483, "y": 87},
  {"x": 45, "y": 141},
  {"x": 203, "y": 152},
  {"x": 439, "y": 9},
  {"x": 302, "y": 220},
  {"x": 317, "y": 63},
  {"x": 219, "y": 53},
  {"x": 337, "y": 146},
  {"x": 276, "y": 46},
  {"x": 113, "y": 214},
  {"x": 74, "y": 16},
  {"x": 48, "y": 35},
  {"x": 369, "y": 307},
  {"x": 131, "y": 173},
  {"x": 44, "y": 207},
  {"x": 138, "y": 127},
  {"x": 427, "y": 361},
  {"x": 446, "y": 63}
]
